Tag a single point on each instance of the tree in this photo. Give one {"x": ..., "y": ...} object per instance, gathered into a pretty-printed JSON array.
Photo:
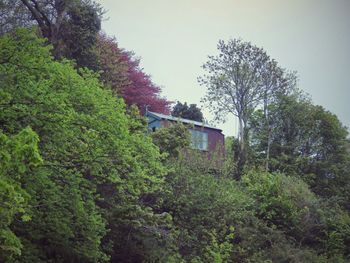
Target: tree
[
  {"x": 172, "y": 140},
  {"x": 120, "y": 70},
  {"x": 19, "y": 155},
  {"x": 187, "y": 112},
  {"x": 82, "y": 181},
  {"x": 113, "y": 65},
  {"x": 207, "y": 209},
  {"x": 238, "y": 80},
  {"x": 277, "y": 82},
  {"x": 307, "y": 221},
  {"x": 79, "y": 33},
  {"x": 140, "y": 90},
  {"x": 91, "y": 189},
  {"x": 306, "y": 140},
  {"x": 13, "y": 14},
  {"x": 70, "y": 26}
]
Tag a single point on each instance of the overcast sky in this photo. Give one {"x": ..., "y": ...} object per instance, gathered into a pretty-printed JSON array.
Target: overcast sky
[{"x": 174, "y": 38}]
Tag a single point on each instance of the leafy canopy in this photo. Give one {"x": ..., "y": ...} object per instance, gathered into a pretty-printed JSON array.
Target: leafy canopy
[
  {"x": 95, "y": 173},
  {"x": 190, "y": 112}
]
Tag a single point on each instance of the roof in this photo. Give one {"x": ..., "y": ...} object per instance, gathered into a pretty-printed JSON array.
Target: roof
[{"x": 172, "y": 118}]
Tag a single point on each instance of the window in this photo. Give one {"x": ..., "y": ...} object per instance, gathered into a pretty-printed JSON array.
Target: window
[{"x": 199, "y": 140}]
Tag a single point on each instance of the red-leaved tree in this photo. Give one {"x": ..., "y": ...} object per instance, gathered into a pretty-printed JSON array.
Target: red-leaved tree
[
  {"x": 114, "y": 69},
  {"x": 141, "y": 90},
  {"x": 121, "y": 71}
]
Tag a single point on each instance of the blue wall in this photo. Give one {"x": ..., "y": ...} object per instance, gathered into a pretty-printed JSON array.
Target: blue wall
[{"x": 153, "y": 123}]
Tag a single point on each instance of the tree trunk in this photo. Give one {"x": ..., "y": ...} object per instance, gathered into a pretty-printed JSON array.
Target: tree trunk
[
  {"x": 242, "y": 147},
  {"x": 268, "y": 149},
  {"x": 267, "y": 123},
  {"x": 49, "y": 29}
]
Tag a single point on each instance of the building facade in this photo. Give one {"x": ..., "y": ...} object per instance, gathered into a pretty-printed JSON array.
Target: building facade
[{"x": 204, "y": 137}]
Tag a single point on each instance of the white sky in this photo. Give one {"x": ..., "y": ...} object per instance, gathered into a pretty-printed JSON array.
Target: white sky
[{"x": 174, "y": 38}]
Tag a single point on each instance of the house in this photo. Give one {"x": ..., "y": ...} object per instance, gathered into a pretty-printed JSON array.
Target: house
[{"x": 204, "y": 137}]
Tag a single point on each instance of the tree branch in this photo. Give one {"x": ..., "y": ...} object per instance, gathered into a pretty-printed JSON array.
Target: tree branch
[{"x": 43, "y": 22}]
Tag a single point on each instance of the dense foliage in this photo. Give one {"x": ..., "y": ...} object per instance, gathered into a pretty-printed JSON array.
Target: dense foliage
[
  {"x": 73, "y": 29},
  {"x": 19, "y": 154},
  {"x": 70, "y": 26},
  {"x": 305, "y": 141},
  {"x": 83, "y": 180},
  {"x": 191, "y": 112},
  {"x": 264, "y": 217},
  {"x": 90, "y": 188},
  {"x": 122, "y": 72}
]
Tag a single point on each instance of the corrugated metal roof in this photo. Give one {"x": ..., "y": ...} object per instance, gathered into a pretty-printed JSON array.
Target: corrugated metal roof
[{"x": 172, "y": 118}]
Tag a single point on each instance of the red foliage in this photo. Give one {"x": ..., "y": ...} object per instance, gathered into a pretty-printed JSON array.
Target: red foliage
[
  {"x": 141, "y": 90},
  {"x": 138, "y": 88}
]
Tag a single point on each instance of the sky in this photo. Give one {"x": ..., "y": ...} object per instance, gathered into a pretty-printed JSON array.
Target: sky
[{"x": 173, "y": 38}]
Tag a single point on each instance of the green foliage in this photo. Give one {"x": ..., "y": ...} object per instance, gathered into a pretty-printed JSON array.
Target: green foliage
[
  {"x": 287, "y": 204},
  {"x": 283, "y": 201},
  {"x": 18, "y": 156},
  {"x": 70, "y": 26},
  {"x": 204, "y": 209},
  {"x": 172, "y": 140},
  {"x": 231, "y": 157},
  {"x": 305, "y": 141},
  {"x": 239, "y": 80},
  {"x": 219, "y": 252},
  {"x": 79, "y": 33},
  {"x": 187, "y": 112},
  {"x": 91, "y": 190},
  {"x": 82, "y": 180}
]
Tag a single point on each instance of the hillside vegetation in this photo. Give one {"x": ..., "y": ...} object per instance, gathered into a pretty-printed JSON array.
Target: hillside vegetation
[{"x": 83, "y": 180}]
